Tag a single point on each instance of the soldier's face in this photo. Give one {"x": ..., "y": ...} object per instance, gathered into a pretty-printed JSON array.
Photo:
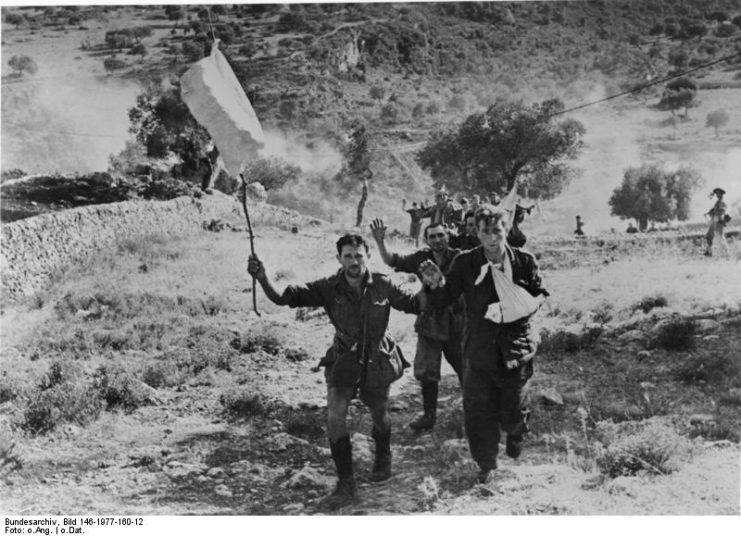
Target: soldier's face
[
  {"x": 354, "y": 261},
  {"x": 437, "y": 238},
  {"x": 471, "y": 226},
  {"x": 492, "y": 235}
]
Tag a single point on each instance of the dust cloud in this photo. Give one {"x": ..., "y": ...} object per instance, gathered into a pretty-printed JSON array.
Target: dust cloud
[{"x": 64, "y": 124}]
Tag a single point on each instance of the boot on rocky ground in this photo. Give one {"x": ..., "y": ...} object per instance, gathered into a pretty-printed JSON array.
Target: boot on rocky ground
[
  {"x": 426, "y": 421},
  {"x": 485, "y": 474},
  {"x": 382, "y": 463},
  {"x": 513, "y": 447},
  {"x": 346, "y": 491}
]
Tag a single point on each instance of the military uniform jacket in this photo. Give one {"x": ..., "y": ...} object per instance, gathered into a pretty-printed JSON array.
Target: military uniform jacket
[
  {"x": 358, "y": 320},
  {"x": 487, "y": 345},
  {"x": 440, "y": 324}
]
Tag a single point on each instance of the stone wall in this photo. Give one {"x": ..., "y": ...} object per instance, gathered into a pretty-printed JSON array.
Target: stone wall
[{"x": 34, "y": 250}]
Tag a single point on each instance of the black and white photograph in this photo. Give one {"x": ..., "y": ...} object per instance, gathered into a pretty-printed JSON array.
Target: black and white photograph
[{"x": 319, "y": 260}]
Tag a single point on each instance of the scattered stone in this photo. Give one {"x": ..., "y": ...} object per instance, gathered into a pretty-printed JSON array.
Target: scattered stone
[
  {"x": 308, "y": 477},
  {"x": 283, "y": 440},
  {"x": 398, "y": 405},
  {"x": 707, "y": 324},
  {"x": 711, "y": 337},
  {"x": 634, "y": 335},
  {"x": 293, "y": 508},
  {"x": 362, "y": 447},
  {"x": 414, "y": 451},
  {"x": 223, "y": 491},
  {"x": 175, "y": 469},
  {"x": 735, "y": 392},
  {"x": 701, "y": 418},
  {"x": 455, "y": 449},
  {"x": 202, "y": 478},
  {"x": 550, "y": 396},
  {"x": 215, "y": 472},
  {"x": 722, "y": 444},
  {"x": 622, "y": 485},
  {"x": 643, "y": 354}
]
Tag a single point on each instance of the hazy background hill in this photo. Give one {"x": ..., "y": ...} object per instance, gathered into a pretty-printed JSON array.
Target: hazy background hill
[{"x": 312, "y": 71}]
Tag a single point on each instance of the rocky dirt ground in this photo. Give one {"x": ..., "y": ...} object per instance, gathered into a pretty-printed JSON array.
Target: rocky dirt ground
[{"x": 181, "y": 453}]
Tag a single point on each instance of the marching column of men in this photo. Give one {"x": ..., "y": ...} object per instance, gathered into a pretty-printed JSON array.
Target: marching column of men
[{"x": 492, "y": 358}]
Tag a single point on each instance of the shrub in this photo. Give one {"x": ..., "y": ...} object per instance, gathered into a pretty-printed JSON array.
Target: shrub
[
  {"x": 65, "y": 402},
  {"x": 389, "y": 112},
  {"x": 9, "y": 459},
  {"x": 711, "y": 368},
  {"x": 242, "y": 405},
  {"x": 23, "y": 63},
  {"x": 248, "y": 49},
  {"x": 377, "y": 92},
  {"x": 193, "y": 50},
  {"x": 113, "y": 64},
  {"x": 655, "y": 448},
  {"x": 650, "y": 302},
  {"x": 457, "y": 102},
  {"x": 119, "y": 388},
  {"x": 726, "y": 30},
  {"x": 569, "y": 341},
  {"x": 433, "y": 107},
  {"x": 252, "y": 342},
  {"x": 675, "y": 334},
  {"x": 161, "y": 374}
]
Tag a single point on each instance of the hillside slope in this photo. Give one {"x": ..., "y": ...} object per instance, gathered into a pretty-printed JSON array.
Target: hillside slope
[{"x": 311, "y": 71}]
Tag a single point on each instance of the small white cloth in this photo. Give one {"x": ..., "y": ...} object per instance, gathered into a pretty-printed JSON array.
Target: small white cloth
[
  {"x": 514, "y": 301},
  {"x": 504, "y": 267}
]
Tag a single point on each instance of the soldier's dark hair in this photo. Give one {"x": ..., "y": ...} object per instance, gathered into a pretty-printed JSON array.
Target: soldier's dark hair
[
  {"x": 430, "y": 225},
  {"x": 468, "y": 214},
  {"x": 353, "y": 240},
  {"x": 490, "y": 214}
]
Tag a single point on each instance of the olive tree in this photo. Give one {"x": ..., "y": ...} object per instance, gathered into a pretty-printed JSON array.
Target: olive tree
[
  {"x": 717, "y": 119},
  {"x": 650, "y": 193},
  {"x": 508, "y": 142}
]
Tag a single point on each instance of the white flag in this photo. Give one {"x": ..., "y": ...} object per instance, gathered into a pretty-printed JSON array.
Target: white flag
[{"x": 216, "y": 99}]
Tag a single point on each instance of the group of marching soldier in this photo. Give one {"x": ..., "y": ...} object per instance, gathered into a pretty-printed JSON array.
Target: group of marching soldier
[
  {"x": 471, "y": 266},
  {"x": 458, "y": 317}
]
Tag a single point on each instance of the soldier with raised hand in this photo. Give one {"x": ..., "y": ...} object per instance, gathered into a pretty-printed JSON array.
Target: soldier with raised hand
[
  {"x": 363, "y": 358},
  {"x": 438, "y": 332}
]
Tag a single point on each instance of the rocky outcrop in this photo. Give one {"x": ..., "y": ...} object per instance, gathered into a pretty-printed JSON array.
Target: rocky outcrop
[{"x": 35, "y": 249}]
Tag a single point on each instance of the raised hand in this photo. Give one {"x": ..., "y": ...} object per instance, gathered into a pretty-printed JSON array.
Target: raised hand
[
  {"x": 378, "y": 229},
  {"x": 431, "y": 274}
]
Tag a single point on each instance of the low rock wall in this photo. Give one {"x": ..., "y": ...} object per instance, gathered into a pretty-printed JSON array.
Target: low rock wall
[{"x": 37, "y": 248}]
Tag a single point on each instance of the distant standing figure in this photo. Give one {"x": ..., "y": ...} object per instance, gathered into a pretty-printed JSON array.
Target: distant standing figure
[
  {"x": 632, "y": 229},
  {"x": 416, "y": 213},
  {"x": 579, "y": 231},
  {"x": 718, "y": 221}
]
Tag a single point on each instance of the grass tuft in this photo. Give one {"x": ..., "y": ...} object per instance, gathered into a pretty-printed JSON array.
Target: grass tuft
[
  {"x": 650, "y": 302},
  {"x": 653, "y": 448},
  {"x": 243, "y": 405}
]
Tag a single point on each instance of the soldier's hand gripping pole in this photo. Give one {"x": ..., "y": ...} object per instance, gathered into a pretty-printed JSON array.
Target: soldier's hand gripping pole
[{"x": 243, "y": 199}]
